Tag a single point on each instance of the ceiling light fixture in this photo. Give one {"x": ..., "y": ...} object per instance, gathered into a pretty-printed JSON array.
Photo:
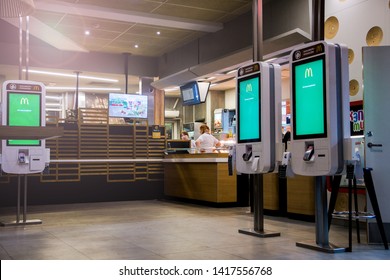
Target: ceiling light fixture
[
  {"x": 172, "y": 89},
  {"x": 87, "y": 32},
  {"x": 70, "y": 75},
  {"x": 231, "y": 72},
  {"x": 158, "y": 33},
  {"x": 136, "y": 46},
  {"x": 84, "y": 88}
]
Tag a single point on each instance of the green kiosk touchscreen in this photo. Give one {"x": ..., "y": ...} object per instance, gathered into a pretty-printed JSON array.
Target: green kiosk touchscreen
[
  {"x": 249, "y": 128},
  {"x": 24, "y": 109},
  {"x": 309, "y": 99}
]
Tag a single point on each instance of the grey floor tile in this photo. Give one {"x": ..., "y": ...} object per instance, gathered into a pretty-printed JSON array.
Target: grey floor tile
[{"x": 158, "y": 230}]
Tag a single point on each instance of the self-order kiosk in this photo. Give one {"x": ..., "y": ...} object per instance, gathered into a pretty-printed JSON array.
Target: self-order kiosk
[
  {"x": 320, "y": 107},
  {"x": 258, "y": 110},
  {"x": 23, "y": 104}
]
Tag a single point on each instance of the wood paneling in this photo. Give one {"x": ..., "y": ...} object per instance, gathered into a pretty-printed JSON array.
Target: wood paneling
[
  {"x": 205, "y": 181},
  {"x": 300, "y": 195},
  {"x": 91, "y": 137},
  {"x": 271, "y": 191}
]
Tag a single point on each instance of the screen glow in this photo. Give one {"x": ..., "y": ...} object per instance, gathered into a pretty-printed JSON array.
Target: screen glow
[
  {"x": 309, "y": 100},
  {"x": 249, "y": 128},
  {"x": 24, "y": 109},
  {"x": 122, "y": 105},
  {"x": 190, "y": 94}
]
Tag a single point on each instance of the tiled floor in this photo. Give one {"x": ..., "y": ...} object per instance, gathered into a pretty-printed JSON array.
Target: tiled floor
[{"x": 160, "y": 230}]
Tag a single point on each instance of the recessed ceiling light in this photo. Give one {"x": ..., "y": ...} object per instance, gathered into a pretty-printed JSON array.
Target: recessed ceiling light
[
  {"x": 136, "y": 46},
  {"x": 87, "y": 32},
  {"x": 158, "y": 32}
]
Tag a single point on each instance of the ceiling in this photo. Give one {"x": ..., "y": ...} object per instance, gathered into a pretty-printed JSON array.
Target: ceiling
[{"x": 140, "y": 27}]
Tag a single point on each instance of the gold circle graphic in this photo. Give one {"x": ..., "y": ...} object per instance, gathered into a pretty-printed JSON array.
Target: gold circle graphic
[
  {"x": 374, "y": 36},
  {"x": 353, "y": 87},
  {"x": 331, "y": 27},
  {"x": 351, "y": 55}
]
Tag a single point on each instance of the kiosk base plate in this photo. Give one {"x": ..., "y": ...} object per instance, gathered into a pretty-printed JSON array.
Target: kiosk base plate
[
  {"x": 330, "y": 248},
  {"x": 253, "y": 232},
  {"x": 21, "y": 223}
]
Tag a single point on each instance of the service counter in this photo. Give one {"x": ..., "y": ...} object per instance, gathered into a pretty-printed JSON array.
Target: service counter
[{"x": 200, "y": 177}]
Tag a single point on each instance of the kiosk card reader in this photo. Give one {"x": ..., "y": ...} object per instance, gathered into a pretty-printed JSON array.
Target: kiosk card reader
[
  {"x": 258, "y": 110},
  {"x": 320, "y": 107},
  {"x": 23, "y": 104}
]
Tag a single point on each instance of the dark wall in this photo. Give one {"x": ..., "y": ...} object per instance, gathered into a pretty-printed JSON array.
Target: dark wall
[{"x": 89, "y": 189}]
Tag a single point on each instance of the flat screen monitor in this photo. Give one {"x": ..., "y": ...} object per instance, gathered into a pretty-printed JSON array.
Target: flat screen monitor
[
  {"x": 122, "y": 105},
  {"x": 309, "y": 99},
  {"x": 178, "y": 146},
  {"x": 190, "y": 94},
  {"x": 24, "y": 109},
  {"x": 249, "y": 109}
]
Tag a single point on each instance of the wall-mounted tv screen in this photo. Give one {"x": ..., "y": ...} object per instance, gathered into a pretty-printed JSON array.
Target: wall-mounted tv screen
[
  {"x": 249, "y": 109},
  {"x": 309, "y": 98},
  {"x": 190, "y": 94},
  {"x": 122, "y": 105},
  {"x": 24, "y": 109}
]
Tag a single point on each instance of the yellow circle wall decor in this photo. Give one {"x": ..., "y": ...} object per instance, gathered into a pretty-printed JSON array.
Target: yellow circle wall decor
[
  {"x": 331, "y": 27},
  {"x": 353, "y": 87},
  {"x": 374, "y": 36}
]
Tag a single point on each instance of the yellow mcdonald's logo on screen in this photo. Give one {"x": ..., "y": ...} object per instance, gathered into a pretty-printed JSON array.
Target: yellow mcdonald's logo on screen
[
  {"x": 24, "y": 101},
  {"x": 248, "y": 88},
  {"x": 308, "y": 72},
  {"x": 309, "y": 92},
  {"x": 24, "y": 109}
]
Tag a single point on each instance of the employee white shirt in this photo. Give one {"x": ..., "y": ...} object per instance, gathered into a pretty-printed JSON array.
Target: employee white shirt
[{"x": 207, "y": 142}]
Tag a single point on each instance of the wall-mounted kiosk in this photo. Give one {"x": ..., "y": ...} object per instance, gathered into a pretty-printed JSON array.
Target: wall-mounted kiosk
[
  {"x": 320, "y": 106},
  {"x": 23, "y": 108},
  {"x": 258, "y": 107},
  {"x": 320, "y": 122}
]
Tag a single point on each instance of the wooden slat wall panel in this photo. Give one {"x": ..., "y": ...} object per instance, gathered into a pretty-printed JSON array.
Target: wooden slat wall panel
[
  {"x": 121, "y": 172},
  {"x": 141, "y": 141},
  {"x": 121, "y": 142},
  {"x": 62, "y": 172},
  {"x": 93, "y": 116},
  {"x": 93, "y": 168},
  {"x": 93, "y": 141},
  {"x": 93, "y": 138},
  {"x": 65, "y": 147}
]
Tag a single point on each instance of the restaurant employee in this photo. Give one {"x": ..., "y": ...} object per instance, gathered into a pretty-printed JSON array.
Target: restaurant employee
[{"x": 206, "y": 142}]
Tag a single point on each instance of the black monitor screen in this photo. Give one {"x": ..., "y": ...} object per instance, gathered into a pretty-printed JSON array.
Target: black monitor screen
[
  {"x": 249, "y": 109},
  {"x": 309, "y": 98},
  {"x": 190, "y": 94}
]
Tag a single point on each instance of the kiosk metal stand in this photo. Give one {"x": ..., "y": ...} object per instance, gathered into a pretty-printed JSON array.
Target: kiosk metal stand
[
  {"x": 322, "y": 233},
  {"x": 258, "y": 215},
  {"x": 24, "y": 221}
]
